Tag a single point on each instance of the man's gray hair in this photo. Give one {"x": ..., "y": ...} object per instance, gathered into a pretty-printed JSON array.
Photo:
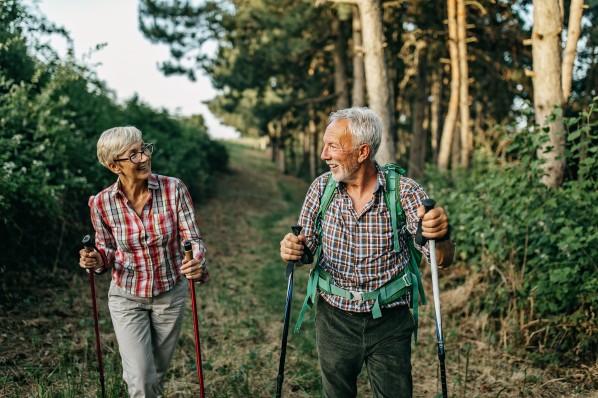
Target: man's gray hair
[{"x": 365, "y": 126}]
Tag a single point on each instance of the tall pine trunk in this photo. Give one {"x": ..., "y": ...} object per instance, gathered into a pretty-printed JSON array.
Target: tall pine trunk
[
  {"x": 573, "y": 33},
  {"x": 417, "y": 154},
  {"x": 465, "y": 125},
  {"x": 378, "y": 90},
  {"x": 548, "y": 93},
  {"x": 358, "y": 92},
  {"x": 340, "y": 70},
  {"x": 448, "y": 130},
  {"x": 435, "y": 113}
]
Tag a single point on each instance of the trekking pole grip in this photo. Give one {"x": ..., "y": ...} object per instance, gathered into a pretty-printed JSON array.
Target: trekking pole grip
[
  {"x": 188, "y": 250},
  {"x": 87, "y": 243},
  {"x": 429, "y": 204},
  {"x": 292, "y": 264},
  {"x": 419, "y": 237}
]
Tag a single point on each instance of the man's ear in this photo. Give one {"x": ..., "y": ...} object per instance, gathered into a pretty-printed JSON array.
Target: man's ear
[{"x": 363, "y": 153}]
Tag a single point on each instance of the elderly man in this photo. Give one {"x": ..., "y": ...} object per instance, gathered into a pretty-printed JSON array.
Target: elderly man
[{"x": 360, "y": 257}]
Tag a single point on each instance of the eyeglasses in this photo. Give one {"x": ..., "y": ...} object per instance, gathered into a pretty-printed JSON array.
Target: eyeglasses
[{"x": 135, "y": 157}]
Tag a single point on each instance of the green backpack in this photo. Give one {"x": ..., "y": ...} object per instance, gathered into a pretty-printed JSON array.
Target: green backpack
[{"x": 409, "y": 279}]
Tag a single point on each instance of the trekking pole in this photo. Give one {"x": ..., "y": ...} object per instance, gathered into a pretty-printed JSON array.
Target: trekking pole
[
  {"x": 306, "y": 259},
  {"x": 429, "y": 204},
  {"x": 189, "y": 255},
  {"x": 89, "y": 247}
]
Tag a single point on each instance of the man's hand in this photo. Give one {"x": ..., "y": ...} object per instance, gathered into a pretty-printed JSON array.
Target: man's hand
[
  {"x": 291, "y": 247},
  {"x": 435, "y": 226},
  {"x": 434, "y": 223}
]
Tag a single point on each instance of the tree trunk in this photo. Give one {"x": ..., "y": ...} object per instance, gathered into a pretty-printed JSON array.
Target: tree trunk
[
  {"x": 313, "y": 134},
  {"x": 417, "y": 155},
  {"x": 573, "y": 32},
  {"x": 273, "y": 141},
  {"x": 358, "y": 91},
  {"x": 466, "y": 136},
  {"x": 455, "y": 149},
  {"x": 377, "y": 84},
  {"x": 548, "y": 93},
  {"x": 435, "y": 93},
  {"x": 340, "y": 70},
  {"x": 448, "y": 129},
  {"x": 307, "y": 137}
]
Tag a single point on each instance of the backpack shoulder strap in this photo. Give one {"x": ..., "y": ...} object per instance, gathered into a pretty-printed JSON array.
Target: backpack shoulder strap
[
  {"x": 312, "y": 283},
  {"x": 392, "y": 198},
  {"x": 326, "y": 198},
  {"x": 325, "y": 201}
]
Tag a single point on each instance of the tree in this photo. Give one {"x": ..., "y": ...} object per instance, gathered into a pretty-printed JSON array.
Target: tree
[
  {"x": 552, "y": 79},
  {"x": 377, "y": 82},
  {"x": 450, "y": 121},
  {"x": 358, "y": 91}
]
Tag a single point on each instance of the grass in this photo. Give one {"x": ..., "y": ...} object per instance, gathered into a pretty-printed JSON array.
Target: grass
[{"x": 47, "y": 340}]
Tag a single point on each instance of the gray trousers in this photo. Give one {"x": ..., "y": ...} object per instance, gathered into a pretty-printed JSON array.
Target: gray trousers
[
  {"x": 147, "y": 330},
  {"x": 346, "y": 341}
]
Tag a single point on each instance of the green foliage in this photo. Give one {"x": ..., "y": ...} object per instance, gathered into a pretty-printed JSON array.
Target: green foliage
[
  {"x": 50, "y": 120},
  {"x": 534, "y": 247}
]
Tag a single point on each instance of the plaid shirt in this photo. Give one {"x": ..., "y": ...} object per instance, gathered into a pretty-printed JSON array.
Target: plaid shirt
[
  {"x": 146, "y": 251},
  {"x": 357, "y": 249}
]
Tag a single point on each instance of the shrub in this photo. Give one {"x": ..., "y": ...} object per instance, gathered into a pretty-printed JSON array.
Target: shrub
[{"x": 534, "y": 248}]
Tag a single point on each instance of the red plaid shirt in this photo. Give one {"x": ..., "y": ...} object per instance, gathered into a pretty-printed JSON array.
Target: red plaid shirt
[
  {"x": 146, "y": 251},
  {"x": 357, "y": 249}
]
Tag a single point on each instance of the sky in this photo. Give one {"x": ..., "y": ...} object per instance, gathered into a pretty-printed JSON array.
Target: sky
[{"x": 129, "y": 62}]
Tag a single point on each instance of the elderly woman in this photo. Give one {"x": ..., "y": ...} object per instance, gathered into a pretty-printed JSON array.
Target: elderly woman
[{"x": 141, "y": 222}]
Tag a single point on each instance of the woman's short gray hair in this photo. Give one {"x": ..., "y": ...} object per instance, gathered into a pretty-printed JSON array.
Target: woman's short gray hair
[
  {"x": 364, "y": 125},
  {"x": 115, "y": 141}
]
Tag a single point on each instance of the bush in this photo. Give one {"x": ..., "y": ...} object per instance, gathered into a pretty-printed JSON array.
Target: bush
[
  {"x": 50, "y": 120},
  {"x": 535, "y": 248}
]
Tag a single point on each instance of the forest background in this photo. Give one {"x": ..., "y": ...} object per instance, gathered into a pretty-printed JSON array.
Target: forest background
[{"x": 490, "y": 105}]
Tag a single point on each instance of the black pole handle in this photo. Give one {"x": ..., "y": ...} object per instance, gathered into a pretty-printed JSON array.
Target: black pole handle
[
  {"x": 296, "y": 229},
  {"x": 88, "y": 243},
  {"x": 429, "y": 204},
  {"x": 291, "y": 264},
  {"x": 306, "y": 258},
  {"x": 419, "y": 237}
]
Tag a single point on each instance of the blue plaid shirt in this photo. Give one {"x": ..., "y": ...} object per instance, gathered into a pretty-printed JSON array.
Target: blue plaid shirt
[{"x": 357, "y": 249}]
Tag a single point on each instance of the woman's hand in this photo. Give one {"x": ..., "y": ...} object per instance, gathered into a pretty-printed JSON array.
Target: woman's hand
[
  {"x": 192, "y": 269},
  {"x": 90, "y": 261}
]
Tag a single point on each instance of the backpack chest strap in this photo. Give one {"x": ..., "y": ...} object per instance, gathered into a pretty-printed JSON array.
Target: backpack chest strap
[{"x": 322, "y": 281}]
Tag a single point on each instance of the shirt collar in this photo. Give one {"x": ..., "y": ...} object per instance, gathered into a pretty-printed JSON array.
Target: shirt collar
[{"x": 152, "y": 183}]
